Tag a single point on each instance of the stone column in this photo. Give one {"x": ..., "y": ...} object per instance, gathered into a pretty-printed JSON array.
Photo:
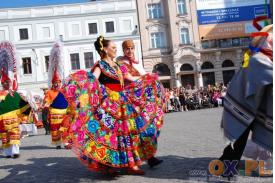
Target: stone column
[
  {"x": 239, "y": 58},
  {"x": 177, "y": 82},
  {"x": 200, "y": 80},
  {"x": 199, "y": 74},
  {"x": 218, "y": 67}
]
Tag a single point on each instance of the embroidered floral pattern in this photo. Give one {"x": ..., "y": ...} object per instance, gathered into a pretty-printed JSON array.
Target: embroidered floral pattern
[{"x": 109, "y": 127}]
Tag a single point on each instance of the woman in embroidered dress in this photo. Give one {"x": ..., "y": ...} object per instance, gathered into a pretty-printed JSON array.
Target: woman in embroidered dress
[
  {"x": 129, "y": 63},
  {"x": 113, "y": 126}
]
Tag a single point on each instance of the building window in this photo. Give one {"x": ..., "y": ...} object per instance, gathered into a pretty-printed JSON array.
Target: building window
[
  {"x": 157, "y": 40},
  {"x": 208, "y": 78},
  {"x": 188, "y": 80},
  {"x": 154, "y": 11},
  {"x": 23, "y": 33},
  {"x": 75, "y": 29},
  {"x": 2, "y": 35},
  {"x": 162, "y": 70},
  {"x": 245, "y": 41},
  {"x": 46, "y": 32},
  {"x": 47, "y": 59},
  {"x": 209, "y": 44},
  {"x": 207, "y": 65},
  {"x": 89, "y": 59},
  {"x": 75, "y": 61},
  {"x": 184, "y": 34},
  {"x": 92, "y": 28},
  {"x": 236, "y": 42},
  {"x": 110, "y": 27},
  {"x": 225, "y": 43},
  {"x": 27, "y": 65},
  {"x": 227, "y": 76},
  {"x": 186, "y": 67},
  {"x": 182, "y": 7},
  {"x": 127, "y": 25},
  {"x": 227, "y": 63}
]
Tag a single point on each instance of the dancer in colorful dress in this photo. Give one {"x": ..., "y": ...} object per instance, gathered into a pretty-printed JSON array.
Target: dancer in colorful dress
[
  {"x": 114, "y": 126},
  {"x": 249, "y": 107},
  {"x": 54, "y": 98},
  {"x": 128, "y": 63},
  {"x": 11, "y": 103}
]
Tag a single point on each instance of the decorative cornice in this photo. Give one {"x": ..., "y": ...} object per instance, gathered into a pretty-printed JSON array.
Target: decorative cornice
[
  {"x": 187, "y": 50},
  {"x": 186, "y": 20},
  {"x": 157, "y": 24}
]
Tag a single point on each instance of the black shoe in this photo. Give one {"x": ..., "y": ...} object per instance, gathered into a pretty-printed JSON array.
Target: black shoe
[
  {"x": 58, "y": 147},
  {"x": 16, "y": 156},
  {"x": 7, "y": 156},
  {"x": 228, "y": 154},
  {"x": 154, "y": 162}
]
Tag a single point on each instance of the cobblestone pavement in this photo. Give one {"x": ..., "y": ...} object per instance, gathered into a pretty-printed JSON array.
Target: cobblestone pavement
[{"x": 188, "y": 142}]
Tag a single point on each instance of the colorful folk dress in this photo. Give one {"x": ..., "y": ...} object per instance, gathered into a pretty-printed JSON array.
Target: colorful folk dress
[
  {"x": 11, "y": 107},
  {"x": 57, "y": 112},
  {"x": 128, "y": 66},
  {"x": 112, "y": 125}
]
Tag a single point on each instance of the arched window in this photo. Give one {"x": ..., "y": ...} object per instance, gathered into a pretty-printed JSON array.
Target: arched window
[
  {"x": 162, "y": 70},
  {"x": 227, "y": 63},
  {"x": 227, "y": 74},
  {"x": 188, "y": 79},
  {"x": 186, "y": 67},
  {"x": 207, "y": 65}
]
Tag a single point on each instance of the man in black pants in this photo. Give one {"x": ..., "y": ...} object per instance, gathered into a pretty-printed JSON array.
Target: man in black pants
[
  {"x": 248, "y": 104},
  {"x": 46, "y": 124}
]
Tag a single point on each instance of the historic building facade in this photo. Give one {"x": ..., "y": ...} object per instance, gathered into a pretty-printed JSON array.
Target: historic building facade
[
  {"x": 33, "y": 31},
  {"x": 172, "y": 47}
]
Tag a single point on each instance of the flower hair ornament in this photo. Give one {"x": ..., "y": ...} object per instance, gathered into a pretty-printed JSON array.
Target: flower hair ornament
[{"x": 101, "y": 39}]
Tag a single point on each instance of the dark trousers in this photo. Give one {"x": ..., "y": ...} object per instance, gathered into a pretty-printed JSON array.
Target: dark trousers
[
  {"x": 45, "y": 121},
  {"x": 238, "y": 145},
  {"x": 46, "y": 126}
]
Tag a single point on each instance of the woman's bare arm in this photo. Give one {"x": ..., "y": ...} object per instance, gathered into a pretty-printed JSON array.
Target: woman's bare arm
[
  {"x": 97, "y": 72},
  {"x": 130, "y": 77}
]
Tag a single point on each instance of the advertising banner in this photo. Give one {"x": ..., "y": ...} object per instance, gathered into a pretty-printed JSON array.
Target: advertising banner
[{"x": 219, "y": 19}]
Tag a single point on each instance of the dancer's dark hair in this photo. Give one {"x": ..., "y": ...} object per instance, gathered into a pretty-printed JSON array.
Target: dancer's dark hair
[{"x": 99, "y": 44}]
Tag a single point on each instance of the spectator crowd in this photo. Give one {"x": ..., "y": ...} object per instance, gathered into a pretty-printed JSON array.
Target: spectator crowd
[{"x": 187, "y": 98}]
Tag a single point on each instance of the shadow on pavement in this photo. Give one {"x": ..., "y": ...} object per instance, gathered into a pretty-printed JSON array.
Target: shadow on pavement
[
  {"x": 36, "y": 147},
  {"x": 70, "y": 170},
  {"x": 56, "y": 169},
  {"x": 182, "y": 168}
]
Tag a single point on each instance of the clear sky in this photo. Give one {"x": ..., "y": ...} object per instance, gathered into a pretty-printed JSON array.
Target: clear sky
[{"x": 30, "y": 3}]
